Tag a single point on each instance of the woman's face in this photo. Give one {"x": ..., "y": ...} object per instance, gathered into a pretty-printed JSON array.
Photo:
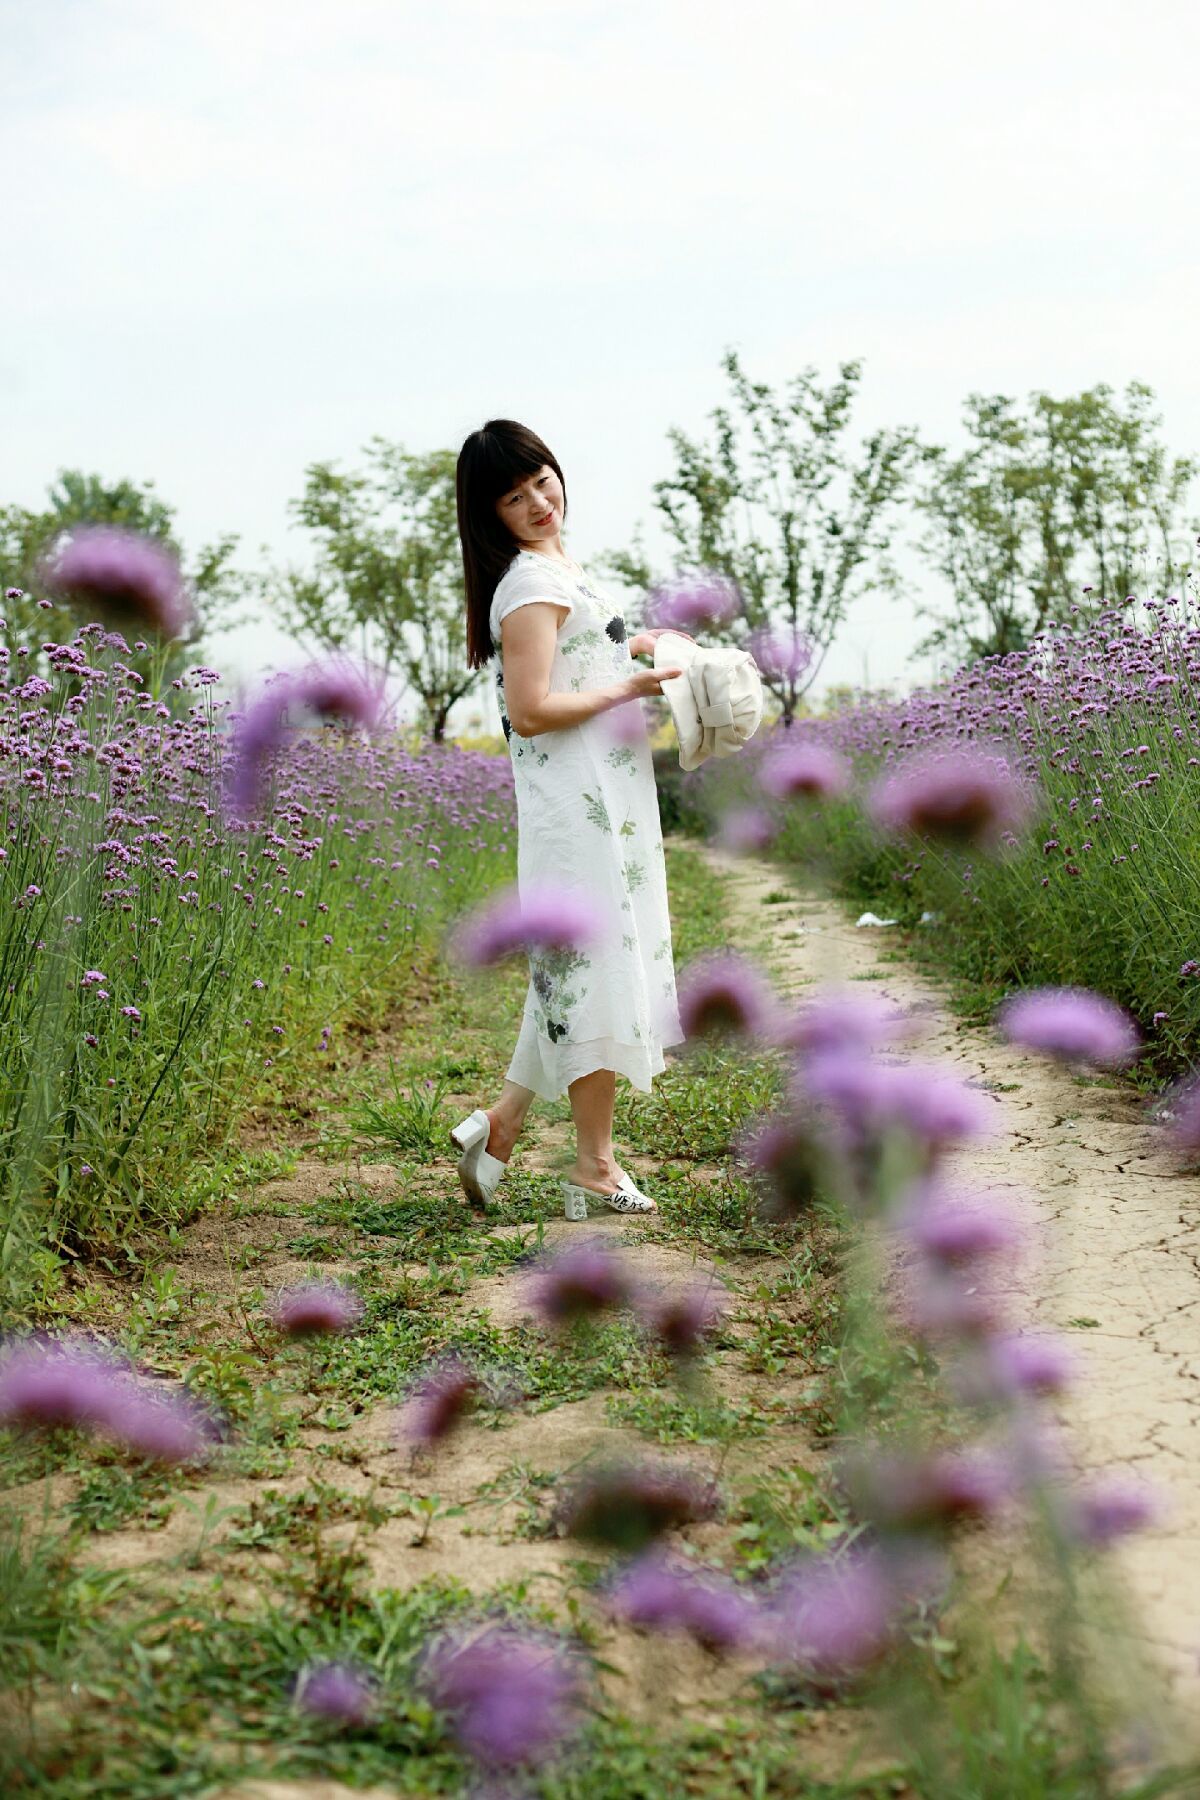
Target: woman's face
[{"x": 533, "y": 510}]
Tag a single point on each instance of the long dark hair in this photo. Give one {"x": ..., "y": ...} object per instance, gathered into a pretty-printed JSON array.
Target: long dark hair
[{"x": 492, "y": 461}]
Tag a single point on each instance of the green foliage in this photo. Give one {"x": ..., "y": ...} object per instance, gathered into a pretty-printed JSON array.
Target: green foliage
[
  {"x": 780, "y": 505},
  {"x": 387, "y": 576},
  {"x": 1071, "y": 494}
]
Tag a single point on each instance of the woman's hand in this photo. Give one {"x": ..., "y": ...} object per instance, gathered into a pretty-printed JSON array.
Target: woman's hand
[{"x": 642, "y": 642}]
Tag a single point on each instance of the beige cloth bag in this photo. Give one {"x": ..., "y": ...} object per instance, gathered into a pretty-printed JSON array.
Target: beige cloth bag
[{"x": 717, "y": 703}]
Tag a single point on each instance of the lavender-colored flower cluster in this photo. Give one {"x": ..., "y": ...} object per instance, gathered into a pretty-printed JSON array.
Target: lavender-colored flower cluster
[
  {"x": 49, "y": 1383},
  {"x": 511, "y": 1695},
  {"x": 590, "y": 1279},
  {"x": 213, "y": 938}
]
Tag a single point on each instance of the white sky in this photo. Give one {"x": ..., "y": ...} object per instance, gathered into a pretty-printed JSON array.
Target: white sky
[{"x": 242, "y": 237}]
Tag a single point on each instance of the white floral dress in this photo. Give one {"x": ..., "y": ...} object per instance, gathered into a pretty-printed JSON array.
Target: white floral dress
[{"x": 588, "y": 819}]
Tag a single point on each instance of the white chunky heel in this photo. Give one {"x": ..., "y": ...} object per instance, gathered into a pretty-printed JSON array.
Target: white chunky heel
[
  {"x": 621, "y": 1200},
  {"x": 478, "y": 1170}
]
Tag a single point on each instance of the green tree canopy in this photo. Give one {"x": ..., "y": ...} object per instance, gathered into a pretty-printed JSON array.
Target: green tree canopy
[
  {"x": 76, "y": 498},
  {"x": 387, "y": 576},
  {"x": 1043, "y": 502},
  {"x": 780, "y": 505}
]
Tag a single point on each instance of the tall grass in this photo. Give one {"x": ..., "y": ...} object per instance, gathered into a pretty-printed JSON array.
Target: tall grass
[{"x": 160, "y": 961}]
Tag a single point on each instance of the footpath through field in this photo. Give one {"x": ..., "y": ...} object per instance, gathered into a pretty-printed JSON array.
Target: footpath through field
[{"x": 1119, "y": 1258}]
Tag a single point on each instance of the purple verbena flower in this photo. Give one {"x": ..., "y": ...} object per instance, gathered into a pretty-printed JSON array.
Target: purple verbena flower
[
  {"x": 511, "y": 1695},
  {"x": 1072, "y": 1024},
  {"x": 838, "y": 1018},
  {"x": 782, "y": 652},
  {"x": 331, "y": 690},
  {"x": 167, "y": 1427},
  {"x": 438, "y": 1401},
  {"x": 684, "y": 1318},
  {"x": 338, "y": 1691},
  {"x": 808, "y": 770},
  {"x": 46, "y": 1383},
  {"x": 833, "y": 1616},
  {"x": 587, "y": 1278},
  {"x": 1108, "y": 1509},
  {"x": 551, "y": 919},
  {"x": 953, "y": 1226},
  {"x": 745, "y": 828},
  {"x": 127, "y": 577},
  {"x": 961, "y": 796},
  {"x": 316, "y": 1308},
  {"x": 663, "y": 1593},
  {"x": 626, "y": 1505},
  {"x": 694, "y": 600},
  {"x": 724, "y": 991}
]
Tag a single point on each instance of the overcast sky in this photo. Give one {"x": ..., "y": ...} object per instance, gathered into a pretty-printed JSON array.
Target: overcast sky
[{"x": 242, "y": 237}]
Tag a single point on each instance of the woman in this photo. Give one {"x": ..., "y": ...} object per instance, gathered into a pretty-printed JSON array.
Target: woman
[{"x": 587, "y": 814}]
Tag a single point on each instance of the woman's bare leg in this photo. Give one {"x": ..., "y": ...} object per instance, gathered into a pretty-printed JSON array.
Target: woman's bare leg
[
  {"x": 593, "y": 1098},
  {"x": 507, "y": 1118}
]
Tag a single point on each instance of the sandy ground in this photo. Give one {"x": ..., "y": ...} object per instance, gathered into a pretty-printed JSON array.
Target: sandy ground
[{"x": 1118, "y": 1251}]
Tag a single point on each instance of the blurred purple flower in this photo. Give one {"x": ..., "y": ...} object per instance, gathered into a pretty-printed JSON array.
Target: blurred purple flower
[
  {"x": 163, "y": 1427},
  {"x": 1028, "y": 1365},
  {"x": 833, "y": 1616},
  {"x": 438, "y": 1401},
  {"x": 839, "y": 1018},
  {"x": 331, "y": 690},
  {"x": 724, "y": 991},
  {"x": 782, "y": 1151},
  {"x": 867, "y": 1098},
  {"x": 1179, "y": 1108},
  {"x": 626, "y": 1505},
  {"x": 952, "y": 1225},
  {"x": 550, "y": 919},
  {"x": 782, "y": 652},
  {"x": 587, "y": 1278},
  {"x": 809, "y": 770},
  {"x": 920, "y": 1490},
  {"x": 687, "y": 602},
  {"x": 46, "y": 1383},
  {"x": 1072, "y": 1024},
  {"x": 316, "y": 1308},
  {"x": 511, "y": 1695},
  {"x": 128, "y": 579},
  {"x": 745, "y": 828},
  {"x": 1108, "y": 1509},
  {"x": 338, "y": 1691},
  {"x": 684, "y": 1318},
  {"x": 667, "y": 1594},
  {"x": 961, "y": 796}
]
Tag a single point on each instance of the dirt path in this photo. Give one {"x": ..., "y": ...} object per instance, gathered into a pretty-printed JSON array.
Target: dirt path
[{"x": 1120, "y": 1257}]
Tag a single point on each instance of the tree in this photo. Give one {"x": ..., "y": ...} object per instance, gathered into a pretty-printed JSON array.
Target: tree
[
  {"x": 800, "y": 526},
  {"x": 388, "y": 573},
  {"x": 79, "y": 499},
  {"x": 1074, "y": 492}
]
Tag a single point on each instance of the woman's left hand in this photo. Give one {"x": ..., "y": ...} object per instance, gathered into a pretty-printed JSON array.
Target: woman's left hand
[{"x": 642, "y": 642}]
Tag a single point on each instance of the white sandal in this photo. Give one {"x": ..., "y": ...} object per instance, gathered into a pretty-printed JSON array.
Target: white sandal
[
  {"x": 623, "y": 1199},
  {"x": 478, "y": 1170}
]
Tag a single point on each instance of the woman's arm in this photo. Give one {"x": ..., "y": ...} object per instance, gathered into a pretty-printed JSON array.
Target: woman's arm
[{"x": 528, "y": 637}]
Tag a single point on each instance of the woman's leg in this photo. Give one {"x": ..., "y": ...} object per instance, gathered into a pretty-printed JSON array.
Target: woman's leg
[
  {"x": 593, "y": 1098},
  {"x": 507, "y": 1118}
]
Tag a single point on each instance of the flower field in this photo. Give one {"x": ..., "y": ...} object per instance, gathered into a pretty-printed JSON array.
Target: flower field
[
  {"x": 165, "y": 960},
  {"x": 1103, "y": 887},
  {"x": 313, "y": 1473}
]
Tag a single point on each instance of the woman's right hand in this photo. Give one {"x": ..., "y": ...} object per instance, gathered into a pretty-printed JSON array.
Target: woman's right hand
[{"x": 645, "y": 682}]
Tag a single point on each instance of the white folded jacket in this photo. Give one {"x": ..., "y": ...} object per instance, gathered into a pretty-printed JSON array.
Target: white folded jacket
[{"x": 717, "y": 703}]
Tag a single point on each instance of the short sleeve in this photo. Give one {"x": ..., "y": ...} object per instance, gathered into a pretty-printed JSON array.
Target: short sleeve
[{"x": 524, "y": 586}]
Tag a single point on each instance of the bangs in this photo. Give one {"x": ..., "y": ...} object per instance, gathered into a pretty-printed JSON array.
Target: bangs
[{"x": 503, "y": 466}]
